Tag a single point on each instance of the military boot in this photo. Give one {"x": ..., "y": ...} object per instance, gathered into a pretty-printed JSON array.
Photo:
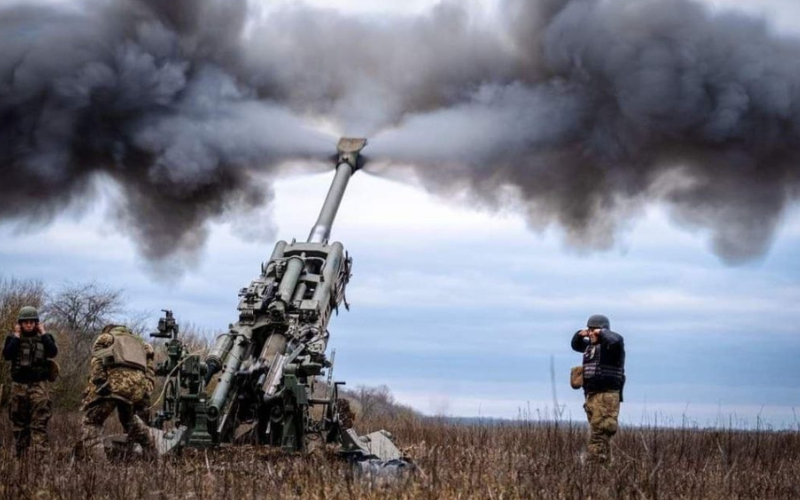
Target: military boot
[
  {"x": 140, "y": 434},
  {"x": 90, "y": 447}
]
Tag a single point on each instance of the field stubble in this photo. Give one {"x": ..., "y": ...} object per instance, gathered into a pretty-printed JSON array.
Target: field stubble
[{"x": 485, "y": 460}]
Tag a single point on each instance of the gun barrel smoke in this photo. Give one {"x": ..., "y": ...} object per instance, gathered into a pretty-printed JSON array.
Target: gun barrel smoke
[
  {"x": 586, "y": 110},
  {"x": 139, "y": 92},
  {"x": 620, "y": 104}
]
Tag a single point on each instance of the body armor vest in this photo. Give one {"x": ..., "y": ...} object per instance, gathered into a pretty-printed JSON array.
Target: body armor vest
[
  {"x": 31, "y": 363},
  {"x": 600, "y": 376},
  {"x": 127, "y": 351}
]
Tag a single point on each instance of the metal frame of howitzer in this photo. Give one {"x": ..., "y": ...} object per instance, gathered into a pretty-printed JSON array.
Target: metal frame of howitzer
[{"x": 269, "y": 361}]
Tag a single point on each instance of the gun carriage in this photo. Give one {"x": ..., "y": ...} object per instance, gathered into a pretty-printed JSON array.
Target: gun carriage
[{"x": 258, "y": 383}]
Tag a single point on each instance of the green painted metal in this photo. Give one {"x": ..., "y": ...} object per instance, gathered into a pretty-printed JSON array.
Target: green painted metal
[{"x": 267, "y": 365}]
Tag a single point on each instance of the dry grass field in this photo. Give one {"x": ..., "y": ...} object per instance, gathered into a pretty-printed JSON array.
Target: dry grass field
[{"x": 483, "y": 461}]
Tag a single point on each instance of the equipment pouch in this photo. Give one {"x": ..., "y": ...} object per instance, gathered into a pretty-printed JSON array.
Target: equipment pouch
[
  {"x": 105, "y": 355},
  {"x": 53, "y": 370},
  {"x": 576, "y": 377},
  {"x": 27, "y": 353}
]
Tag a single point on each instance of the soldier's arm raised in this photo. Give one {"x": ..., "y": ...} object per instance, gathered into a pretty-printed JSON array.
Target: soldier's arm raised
[
  {"x": 579, "y": 341},
  {"x": 11, "y": 348},
  {"x": 611, "y": 339},
  {"x": 615, "y": 347},
  {"x": 50, "y": 347}
]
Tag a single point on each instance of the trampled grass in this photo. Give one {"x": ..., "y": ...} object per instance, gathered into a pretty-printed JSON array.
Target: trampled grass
[{"x": 481, "y": 461}]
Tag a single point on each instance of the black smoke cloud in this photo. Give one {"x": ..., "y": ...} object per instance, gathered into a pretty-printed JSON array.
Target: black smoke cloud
[
  {"x": 579, "y": 113},
  {"x": 620, "y": 103},
  {"x": 143, "y": 93}
]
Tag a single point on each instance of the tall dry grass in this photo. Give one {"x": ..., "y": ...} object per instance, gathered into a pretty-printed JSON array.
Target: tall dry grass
[{"x": 482, "y": 461}]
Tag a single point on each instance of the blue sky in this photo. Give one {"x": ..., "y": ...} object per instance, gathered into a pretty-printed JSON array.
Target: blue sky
[{"x": 459, "y": 310}]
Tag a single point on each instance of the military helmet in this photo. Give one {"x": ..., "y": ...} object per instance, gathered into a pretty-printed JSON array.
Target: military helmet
[
  {"x": 28, "y": 313},
  {"x": 116, "y": 329},
  {"x": 598, "y": 321}
]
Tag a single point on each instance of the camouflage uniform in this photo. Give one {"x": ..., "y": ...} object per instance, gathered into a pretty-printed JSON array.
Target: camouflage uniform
[
  {"x": 31, "y": 408},
  {"x": 603, "y": 381},
  {"x": 602, "y": 411},
  {"x": 115, "y": 385}
]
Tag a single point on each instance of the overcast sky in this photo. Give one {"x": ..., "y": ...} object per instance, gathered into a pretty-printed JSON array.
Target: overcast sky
[{"x": 459, "y": 310}]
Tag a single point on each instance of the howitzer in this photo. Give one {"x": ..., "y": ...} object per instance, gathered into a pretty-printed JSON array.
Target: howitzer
[{"x": 265, "y": 368}]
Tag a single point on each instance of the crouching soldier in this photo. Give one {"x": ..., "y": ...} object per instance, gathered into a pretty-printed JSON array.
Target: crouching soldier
[
  {"x": 122, "y": 378},
  {"x": 30, "y": 350}
]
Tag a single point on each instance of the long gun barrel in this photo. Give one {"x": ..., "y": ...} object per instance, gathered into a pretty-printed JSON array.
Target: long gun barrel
[
  {"x": 267, "y": 365},
  {"x": 348, "y": 163},
  {"x": 277, "y": 347}
]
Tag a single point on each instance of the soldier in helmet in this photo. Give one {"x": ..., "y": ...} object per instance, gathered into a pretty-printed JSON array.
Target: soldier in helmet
[
  {"x": 30, "y": 350},
  {"x": 603, "y": 380},
  {"x": 122, "y": 378}
]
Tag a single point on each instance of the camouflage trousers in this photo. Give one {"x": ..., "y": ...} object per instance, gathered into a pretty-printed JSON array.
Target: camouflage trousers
[
  {"x": 602, "y": 411},
  {"x": 30, "y": 411},
  {"x": 92, "y": 426}
]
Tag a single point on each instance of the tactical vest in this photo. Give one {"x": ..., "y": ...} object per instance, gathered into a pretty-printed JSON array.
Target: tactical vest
[
  {"x": 598, "y": 376},
  {"x": 127, "y": 351},
  {"x": 30, "y": 365}
]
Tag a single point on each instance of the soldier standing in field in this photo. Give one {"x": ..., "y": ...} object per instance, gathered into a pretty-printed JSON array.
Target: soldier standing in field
[
  {"x": 603, "y": 380},
  {"x": 122, "y": 378},
  {"x": 30, "y": 350}
]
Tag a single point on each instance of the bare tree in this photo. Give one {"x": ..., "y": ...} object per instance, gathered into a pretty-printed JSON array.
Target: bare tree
[
  {"x": 75, "y": 314},
  {"x": 139, "y": 322},
  {"x": 83, "y": 309},
  {"x": 376, "y": 402},
  {"x": 370, "y": 399}
]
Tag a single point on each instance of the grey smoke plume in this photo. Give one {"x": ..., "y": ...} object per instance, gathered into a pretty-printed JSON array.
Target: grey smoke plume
[
  {"x": 620, "y": 103},
  {"x": 141, "y": 92},
  {"x": 581, "y": 112},
  {"x": 367, "y": 73}
]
